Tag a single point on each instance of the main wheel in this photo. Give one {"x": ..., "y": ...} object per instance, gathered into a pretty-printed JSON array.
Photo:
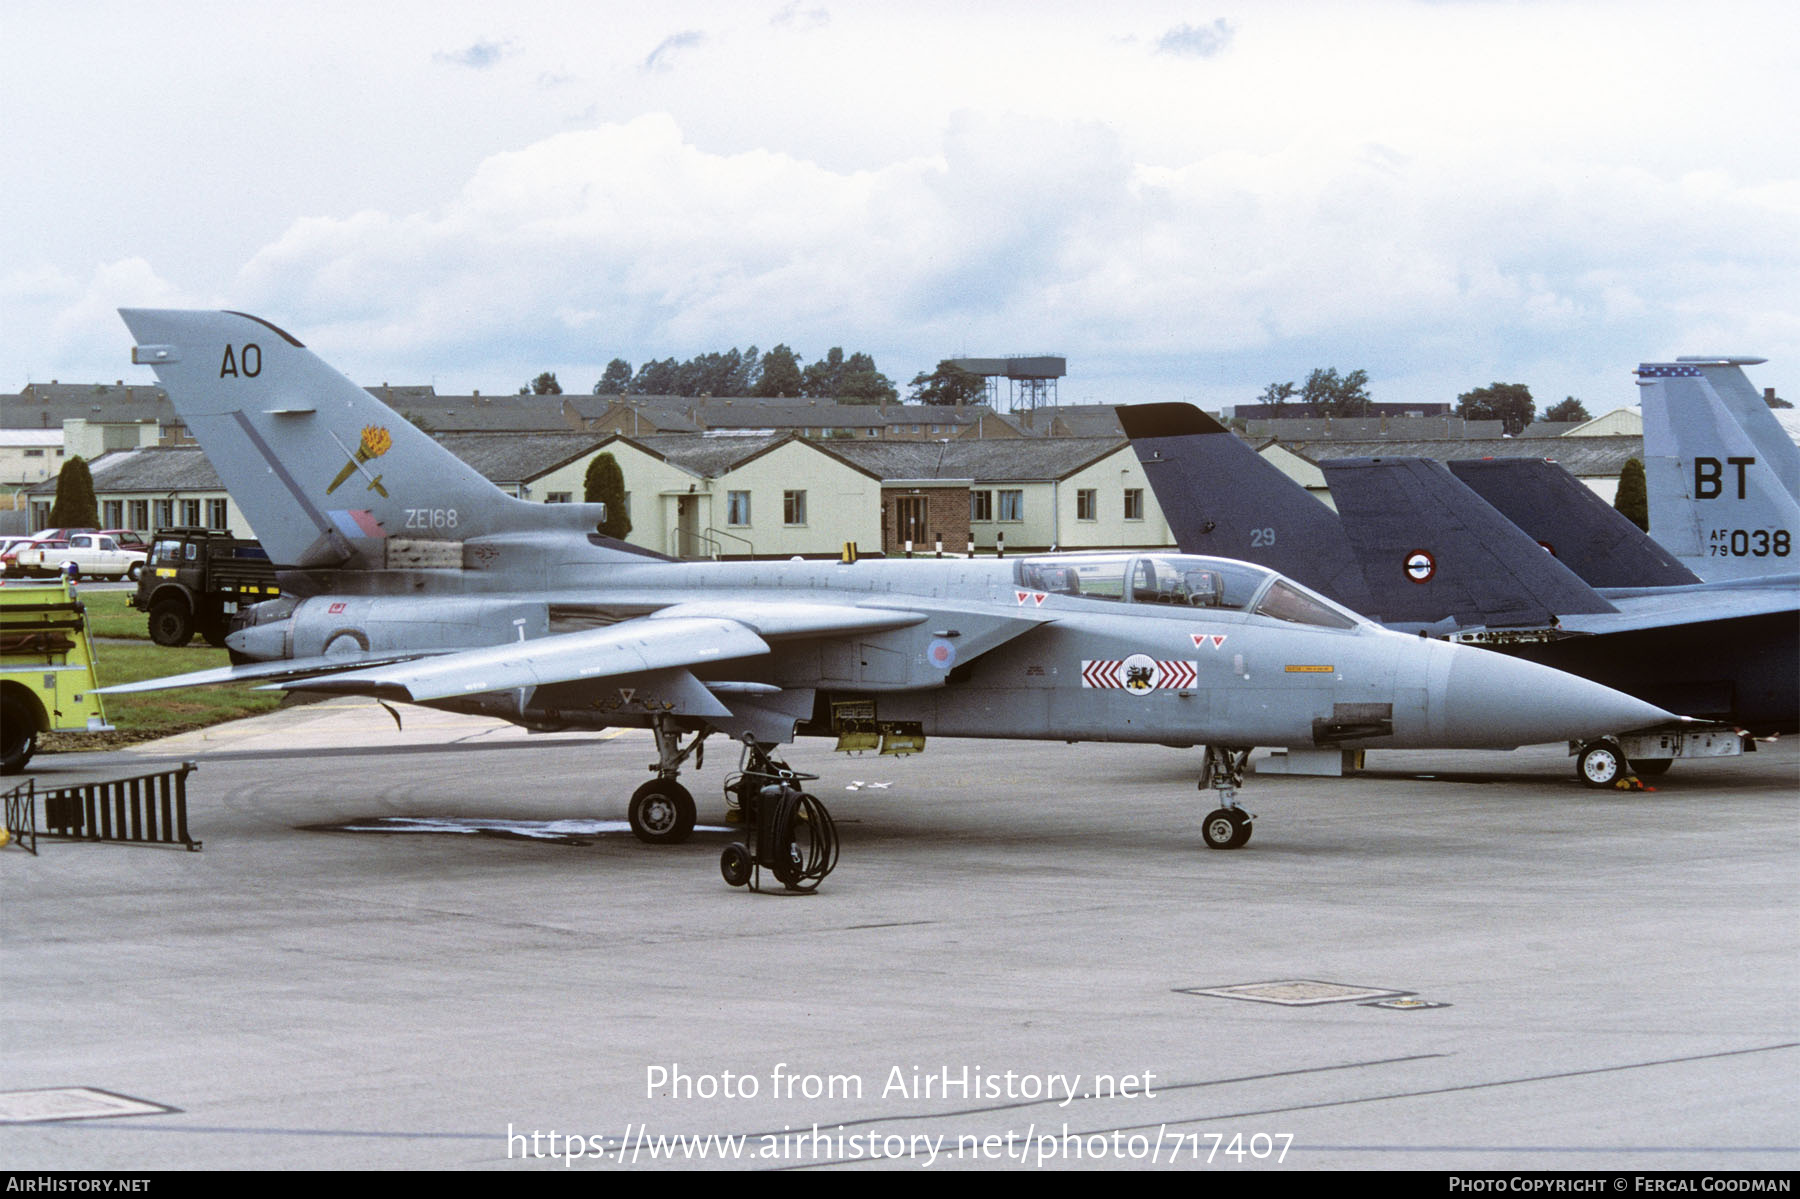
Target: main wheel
[
  {"x": 171, "y": 623},
  {"x": 18, "y": 735},
  {"x": 1225, "y": 828},
  {"x": 1651, "y": 767},
  {"x": 133, "y": 571},
  {"x": 734, "y": 864},
  {"x": 1600, "y": 763},
  {"x": 661, "y": 813}
]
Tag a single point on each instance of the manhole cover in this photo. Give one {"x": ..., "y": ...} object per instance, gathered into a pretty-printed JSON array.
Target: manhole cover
[
  {"x": 71, "y": 1103},
  {"x": 1296, "y": 992}
]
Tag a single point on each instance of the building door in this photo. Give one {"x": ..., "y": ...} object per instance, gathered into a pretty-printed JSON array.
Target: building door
[{"x": 909, "y": 522}]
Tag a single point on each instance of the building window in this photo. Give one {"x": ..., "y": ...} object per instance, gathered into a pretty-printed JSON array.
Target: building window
[
  {"x": 190, "y": 512},
  {"x": 793, "y": 507},
  {"x": 1086, "y": 504},
  {"x": 1134, "y": 503},
  {"x": 113, "y": 514},
  {"x": 737, "y": 507},
  {"x": 165, "y": 513},
  {"x": 217, "y": 516},
  {"x": 34, "y": 453},
  {"x": 981, "y": 505},
  {"x": 1012, "y": 505},
  {"x": 140, "y": 515},
  {"x": 559, "y": 497}
]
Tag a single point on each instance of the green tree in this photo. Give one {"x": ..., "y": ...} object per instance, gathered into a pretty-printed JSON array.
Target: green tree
[
  {"x": 1277, "y": 394},
  {"x": 544, "y": 385},
  {"x": 1509, "y": 403},
  {"x": 1633, "y": 498},
  {"x": 852, "y": 380},
  {"x": 605, "y": 484},
  {"x": 616, "y": 380},
  {"x": 948, "y": 384},
  {"x": 1570, "y": 409},
  {"x": 781, "y": 376},
  {"x": 1337, "y": 396},
  {"x": 74, "y": 506}
]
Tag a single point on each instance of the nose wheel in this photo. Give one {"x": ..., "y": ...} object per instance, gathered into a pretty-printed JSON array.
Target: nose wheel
[{"x": 1228, "y": 825}]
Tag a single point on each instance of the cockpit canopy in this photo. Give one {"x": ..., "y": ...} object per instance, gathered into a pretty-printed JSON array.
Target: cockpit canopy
[{"x": 1184, "y": 580}]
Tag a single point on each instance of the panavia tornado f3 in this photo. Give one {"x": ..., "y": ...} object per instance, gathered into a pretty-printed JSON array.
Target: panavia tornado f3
[{"x": 409, "y": 577}]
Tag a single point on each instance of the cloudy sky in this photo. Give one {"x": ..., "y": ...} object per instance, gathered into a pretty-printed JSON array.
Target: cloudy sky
[{"x": 1187, "y": 200}]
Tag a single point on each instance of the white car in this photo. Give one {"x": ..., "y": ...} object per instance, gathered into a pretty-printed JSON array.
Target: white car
[{"x": 91, "y": 555}]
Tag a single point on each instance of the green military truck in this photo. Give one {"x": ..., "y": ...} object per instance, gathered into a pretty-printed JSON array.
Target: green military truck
[
  {"x": 47, "y": 677},
  {"x": 197, "y": 579}
]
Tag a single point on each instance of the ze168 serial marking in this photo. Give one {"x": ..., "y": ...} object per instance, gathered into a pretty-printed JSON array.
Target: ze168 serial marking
[{"x": 431, "y": 518}]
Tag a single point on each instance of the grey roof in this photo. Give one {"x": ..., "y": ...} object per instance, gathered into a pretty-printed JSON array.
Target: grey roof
[
  {"x": 476, "y": 413},
  {"x": 709, "y": 456},
  {"x": 506, "y": 458},
  {"x": 734, "y": 412},
  {"x": 1550, "y": 428},
  {"x": 1001, "y": 460},
  {"x": 1584, "y": 456},
  {"x": 151, "y": 468},
  {"x": 48, "y": 405},
  {"x": 1372, "y": 428},
  {"x": 667, "y": 414}
]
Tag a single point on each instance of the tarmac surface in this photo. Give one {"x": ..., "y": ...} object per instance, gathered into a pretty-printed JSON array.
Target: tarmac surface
[{"x": 1576, "y": 980}]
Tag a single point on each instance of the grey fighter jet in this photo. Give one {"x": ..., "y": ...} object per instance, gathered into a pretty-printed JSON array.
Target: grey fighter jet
[{"x": 410, "y": 578}]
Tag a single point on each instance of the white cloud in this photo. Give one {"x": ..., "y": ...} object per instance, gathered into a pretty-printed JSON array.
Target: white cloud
[{"x": 1424, "y": 191}]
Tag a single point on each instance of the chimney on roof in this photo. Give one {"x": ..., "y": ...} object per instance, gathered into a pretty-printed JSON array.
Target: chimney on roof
[{"x": 478, "y": 393}]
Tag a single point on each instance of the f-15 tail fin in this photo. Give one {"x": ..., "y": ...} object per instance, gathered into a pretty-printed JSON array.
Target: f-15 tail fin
[
  {"x": 1431, "y": 548},
  {"x": 327, "y": 475},
  {"x": 1751, "y": 412},
  {"x": 1222, "y": 498},
  {"x": 1583, "y": 531},
  {"x": 1717, "y": 500}
]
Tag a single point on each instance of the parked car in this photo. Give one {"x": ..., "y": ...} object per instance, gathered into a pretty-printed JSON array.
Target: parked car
[{"x": 86, "y": 555}]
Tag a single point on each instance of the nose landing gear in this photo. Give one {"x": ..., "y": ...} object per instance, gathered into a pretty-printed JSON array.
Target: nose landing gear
[{"x": 1228, "y": 825}]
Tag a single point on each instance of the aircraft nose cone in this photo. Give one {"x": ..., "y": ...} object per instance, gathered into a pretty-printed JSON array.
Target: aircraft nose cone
[{"x": 1492, "y": 699}]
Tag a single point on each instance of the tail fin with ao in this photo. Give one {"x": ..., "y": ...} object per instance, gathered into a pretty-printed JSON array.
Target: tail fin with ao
[{"x": 327, "y": 475}]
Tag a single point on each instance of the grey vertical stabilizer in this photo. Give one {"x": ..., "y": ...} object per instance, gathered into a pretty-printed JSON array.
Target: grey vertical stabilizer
[
  {"x": 1748, "y": 408},
  {"x": 1432, "y": 549},
  {"x": 1717, "y": 502},
  {"x": 1221, "y": 497},
  {"x": 1583, "y": 531},
  {"x": 327, "y": 475}
]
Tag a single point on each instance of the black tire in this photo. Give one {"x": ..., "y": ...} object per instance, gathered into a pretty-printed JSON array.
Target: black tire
[
  {"x": 171, "y": 623},
  {"x": 661, "y": 813},
  {"x": 213, "y": 630},
  {"x": 1222, "y": 828},
  {"x": 18, "y": 734},
  {"x": 1244, "y": 826},
  {"x": 133, "y": 571},
  {"x": 734, "y": 864},
  {"x": 1601, "y": 764},
  {"x": 1651, "y": 767}
]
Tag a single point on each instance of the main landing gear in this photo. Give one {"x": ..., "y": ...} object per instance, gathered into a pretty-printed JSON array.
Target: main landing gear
[
  {"x": 788, "y": 832},
  {"x": 1228, "y": 825},
  {"x": 662, "y": 810}
]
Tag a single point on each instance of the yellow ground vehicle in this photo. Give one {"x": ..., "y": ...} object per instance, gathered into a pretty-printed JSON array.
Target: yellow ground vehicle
[{"x": 47, "y": 677}]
